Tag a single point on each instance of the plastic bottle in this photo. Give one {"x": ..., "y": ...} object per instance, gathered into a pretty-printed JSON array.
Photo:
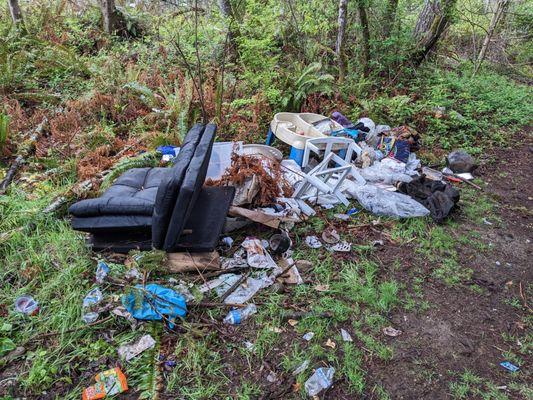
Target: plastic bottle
[{"x": 235, "y": 317}]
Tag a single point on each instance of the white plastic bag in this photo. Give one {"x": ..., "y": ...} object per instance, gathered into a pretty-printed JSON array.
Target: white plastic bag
[
  {"x": 388, "y": 171},
  {"x": 383, "y": 202}
]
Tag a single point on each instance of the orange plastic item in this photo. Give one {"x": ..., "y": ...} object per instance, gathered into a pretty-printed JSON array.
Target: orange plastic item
[{"x": 108, "y": 383}]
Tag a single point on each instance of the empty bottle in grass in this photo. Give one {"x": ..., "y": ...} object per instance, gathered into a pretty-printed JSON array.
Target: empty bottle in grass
[{"x": 235, "y": 317}]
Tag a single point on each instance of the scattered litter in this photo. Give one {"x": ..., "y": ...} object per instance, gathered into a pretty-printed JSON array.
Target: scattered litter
[
  {"x": 249, "y": 288},
  {"x": 227, "y": 241},
  {"x": 93, "y": 298},
  {"x": 301, "y": 368},
  {"x": 377, "y": 243},
  {"x": 249, "y": 346},
  {"x": 257, "y": 256},
  {"x": 342, "y": 217},
  {"x": 122, "y": 312},
  {"x": 328, "y": 206},
  {"x": 304, "y": 265},
  {"x": 331, "y": 343},
  {"x": 322, "y": 288},
  {"x": 353, "y": 211},
  {"x": 330, "y": 236},
  {"x": 313, "y": 242},
  {"x": 27, "y": 305},
  {"x": 272, "y": 377},
  {"x": 133, "y": 273},
  {"x": 292, "y": 322},
  {"x": 129, "y": 351},
  {"x": 390, "y": 331},
  {"x": 108, "y": 383},
  {"x": 102, "y": 269},
  {"x": 320, "y": 380},
  {"x": 235, "y": 317},
  {"x": 154, "y": 302},
  {"x": 509, "y": 366},
  {"x": 275, "y": 329},
  {"x": 308, "y": 336},
  {"x": 498, "y": 263},
  {"x": 341, "y": 247},
  {"x": 279, "y": 243},
  {"x": 486, "y": 222},
  {"x": 346, "y": 336}
]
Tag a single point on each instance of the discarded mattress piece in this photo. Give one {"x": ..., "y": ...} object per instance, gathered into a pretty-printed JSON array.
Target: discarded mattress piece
[
  {"x": 153, "y": 207},
  {"x": 439, "y": 197}
]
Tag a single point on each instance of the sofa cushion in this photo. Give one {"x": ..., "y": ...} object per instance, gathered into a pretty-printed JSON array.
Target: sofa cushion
[
  {"x": 190, "y": 187},
  {"x": 133, "y": 193},
  {"x": 167, "y": 192},
  {"x": 112, "y": 223}
]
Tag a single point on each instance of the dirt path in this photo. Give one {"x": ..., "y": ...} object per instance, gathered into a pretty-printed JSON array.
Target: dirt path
[{"x": 465, "y": 329}]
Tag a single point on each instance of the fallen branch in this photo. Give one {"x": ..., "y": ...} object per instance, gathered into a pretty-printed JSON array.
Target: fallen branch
[
  {"x": 234, "y": 287},
  {"x": 11, "y": 174},
  {"x": 465, "y": 181}
]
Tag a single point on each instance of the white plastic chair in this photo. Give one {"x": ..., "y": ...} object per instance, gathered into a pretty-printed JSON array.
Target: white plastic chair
[
  {"x": 323, "y": 147},
  {"x": 323, "y": 179}
]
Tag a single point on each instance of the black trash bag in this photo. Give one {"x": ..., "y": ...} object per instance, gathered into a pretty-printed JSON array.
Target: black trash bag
[{"x": 438, "y": 197}]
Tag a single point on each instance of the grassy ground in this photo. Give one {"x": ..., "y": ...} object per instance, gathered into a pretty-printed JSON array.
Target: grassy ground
[{"x": 362, "y": 292}]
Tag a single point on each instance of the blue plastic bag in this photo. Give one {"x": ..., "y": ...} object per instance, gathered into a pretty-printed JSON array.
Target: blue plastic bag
[{"x": 154, "y": 302}]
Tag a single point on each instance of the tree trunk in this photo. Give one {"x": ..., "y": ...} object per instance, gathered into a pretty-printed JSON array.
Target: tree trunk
[
  {"x": 431, "y": 23},
  {"x": 339, "y": 46},
  {"x": 366, "y": 34},
  {"x": 110, "y": 16},
  {"x": 16, "y": 13},
  {"x": 227, "y": 12},
  {"x": 390, "y": 17},
  {"x": 496, "y": 17}
]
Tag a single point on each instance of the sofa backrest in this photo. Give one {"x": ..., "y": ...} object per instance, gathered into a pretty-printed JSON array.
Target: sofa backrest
[
  {"x": 190, "y": 187},
  {"x": 167, "y": 192}
]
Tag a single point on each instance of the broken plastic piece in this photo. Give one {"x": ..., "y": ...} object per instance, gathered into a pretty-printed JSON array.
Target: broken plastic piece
[
  {"x": 129, "y": 351},
  {"x": 346, "y": 336},
  {"x": 93, "y": 298},
  {"x": 102, "y": 269},
  {"x": 308, "y": 336},
  {"x": 320, "y": 380},
  {"x": 27, "y": 305},
  {"x": 303, "y": 366},
  {"x": 509, "y": 366},
  {"x": 313, "y": 242}
]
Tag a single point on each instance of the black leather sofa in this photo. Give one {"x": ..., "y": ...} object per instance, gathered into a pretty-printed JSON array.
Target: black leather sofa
[{"x": 162, "y": 208}]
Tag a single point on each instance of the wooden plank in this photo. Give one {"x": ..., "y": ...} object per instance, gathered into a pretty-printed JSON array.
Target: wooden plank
[{"x": 185, "y": 262}]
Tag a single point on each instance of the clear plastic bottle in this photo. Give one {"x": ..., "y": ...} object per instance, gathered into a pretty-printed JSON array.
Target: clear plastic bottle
[{"x": 235, "y": 317}]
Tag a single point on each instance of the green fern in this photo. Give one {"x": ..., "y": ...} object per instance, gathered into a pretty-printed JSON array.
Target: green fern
[
  {"x": 311, "y": 80},
  {"x": 148, "y": 159}
]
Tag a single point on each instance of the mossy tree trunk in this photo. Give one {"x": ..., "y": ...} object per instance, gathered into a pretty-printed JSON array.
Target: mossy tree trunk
[
  {"x": 16, "y": 13},
  {"x": 363, "y": 18},
  {"x": 389, "y": 18},
  {"x": 431, "y": 23}
]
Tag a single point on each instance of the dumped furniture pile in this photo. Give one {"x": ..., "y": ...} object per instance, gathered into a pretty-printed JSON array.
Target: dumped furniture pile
[{"x": 187, "y": 213}]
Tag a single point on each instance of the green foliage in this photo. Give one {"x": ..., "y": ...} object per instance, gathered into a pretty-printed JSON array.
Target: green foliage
[
  {"x": 4, "y": 130},
  {"x": 311, "y": 80}
]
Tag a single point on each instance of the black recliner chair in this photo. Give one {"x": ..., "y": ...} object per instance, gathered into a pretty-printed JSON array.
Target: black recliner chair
[{"x": 162, "y": 208}]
